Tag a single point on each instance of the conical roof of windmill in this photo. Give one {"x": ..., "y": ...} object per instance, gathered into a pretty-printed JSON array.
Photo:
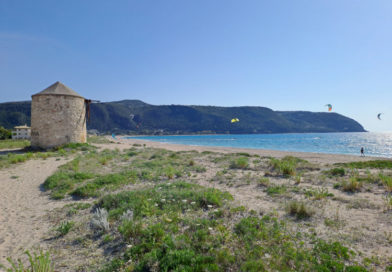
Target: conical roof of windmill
[{"x": 58, "y": 88}]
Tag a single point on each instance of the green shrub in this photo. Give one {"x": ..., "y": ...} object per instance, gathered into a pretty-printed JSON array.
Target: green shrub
[
  {"x": 336, "y": 172},
  {"x": 169, "y": 172},
  {"x": 88, "y": 190},
  {"x": 55, "y": 180},
  {"x": 386, "y": 181},
  {"x": 38, "y": 263},
  {"x": 351, "y": 185},
  {"x": 276, "y": 190},
  {"x": 240, "y": 163},
  {"x": 5, "y": 133},
  {"x": 285, "y": 166},
  {"x": 64, "y": 227},
  {"x": 109, "y": 181},
  {"x": 243, "y": 154},
  {"x": 62, "y": 182}
]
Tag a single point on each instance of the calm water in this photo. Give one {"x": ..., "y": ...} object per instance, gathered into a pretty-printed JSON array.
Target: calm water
[{"x": 375, "y": 144}]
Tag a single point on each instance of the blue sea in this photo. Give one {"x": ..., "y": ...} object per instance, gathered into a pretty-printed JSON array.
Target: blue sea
[{"x": 375, "y": 144}]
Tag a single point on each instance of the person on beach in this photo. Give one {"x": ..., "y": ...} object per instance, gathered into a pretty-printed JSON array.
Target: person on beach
[{"x": 362, "y": 152}]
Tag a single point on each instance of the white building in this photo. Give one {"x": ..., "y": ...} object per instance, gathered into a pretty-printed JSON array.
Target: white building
[{"x": 21, "y": 132}]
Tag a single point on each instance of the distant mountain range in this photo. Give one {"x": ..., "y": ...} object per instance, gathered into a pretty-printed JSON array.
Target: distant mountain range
[{"x": 137, "y": 117}]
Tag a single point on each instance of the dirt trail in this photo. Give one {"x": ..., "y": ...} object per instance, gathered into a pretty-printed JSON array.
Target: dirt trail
[{"x": 23, "y": 206}]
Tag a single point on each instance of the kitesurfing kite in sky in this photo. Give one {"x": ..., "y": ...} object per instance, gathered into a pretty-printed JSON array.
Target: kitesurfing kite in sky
[
  {"x": 235, "y": 120},
  {"x": 379, "y": 116},
  {"x": 329, "y": 107}
]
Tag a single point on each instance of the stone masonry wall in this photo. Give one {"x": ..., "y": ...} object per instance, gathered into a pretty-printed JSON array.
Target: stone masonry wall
[{"x": 57, "y": 120}]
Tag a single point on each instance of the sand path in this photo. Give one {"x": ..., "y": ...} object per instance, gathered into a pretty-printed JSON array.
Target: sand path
[{"x": 23, "y": 206}]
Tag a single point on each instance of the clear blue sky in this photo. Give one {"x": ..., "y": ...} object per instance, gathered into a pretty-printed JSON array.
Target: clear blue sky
[{"x": 285, "y": 55}]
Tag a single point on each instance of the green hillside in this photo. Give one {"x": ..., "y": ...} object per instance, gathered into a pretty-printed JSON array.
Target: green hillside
[{"x": 137, "y": 117}]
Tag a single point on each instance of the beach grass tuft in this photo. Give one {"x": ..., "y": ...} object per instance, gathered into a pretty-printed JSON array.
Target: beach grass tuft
[
  {"x": 240, "y": 163},
  {"x": 286, "y": 166},
  {"x": 64, "y": 227},
  {"x": 37, "y": 263},
  {"x": 299, "y": 209},
  {"x": 340, "y": 172},
  {"x": 376, "y": 164},
  {"x": 351, "y": 185}
]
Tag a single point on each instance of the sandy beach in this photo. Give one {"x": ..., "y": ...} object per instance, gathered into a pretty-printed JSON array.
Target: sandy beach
[
  {"x": 322, "y": 158},
  {"x": 25, "y": 207}
]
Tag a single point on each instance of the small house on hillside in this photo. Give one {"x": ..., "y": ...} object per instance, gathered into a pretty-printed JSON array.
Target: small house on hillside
[{"x": 21, "y": 132}]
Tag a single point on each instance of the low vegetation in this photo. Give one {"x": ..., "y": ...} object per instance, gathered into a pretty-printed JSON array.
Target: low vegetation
[
  {"x": 276, "y": 190},
  {"x": 287, "y": 166},
  {"x": 64, "y": 227},
  {"x": 5, "y": 133},
  {"x": 318, "y": 193},
  {"x": 299, "y": 209},
  {"x": 11, "y": 158},
  {"x": 146, "y": 209},
  {"x": 11, "y": 144},
  {"x": 336, "y": 172},
  {"x": 377, "y": 164},
  {"x": 37, "y": 263},
  {"x": 240, "y": 163},
  {"x": 182, "y": 226},
  {"x": 98, "y": 140},
  {"x": 351, "y": 185}
]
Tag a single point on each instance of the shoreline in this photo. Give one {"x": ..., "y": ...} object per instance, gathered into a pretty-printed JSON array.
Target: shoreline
[
  {"x": 376, "y": 145},
  {"x": 323, "y": 158}
]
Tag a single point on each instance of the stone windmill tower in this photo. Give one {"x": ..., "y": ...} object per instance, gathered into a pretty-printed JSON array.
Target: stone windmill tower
[{"x": 58, "y": 116}]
